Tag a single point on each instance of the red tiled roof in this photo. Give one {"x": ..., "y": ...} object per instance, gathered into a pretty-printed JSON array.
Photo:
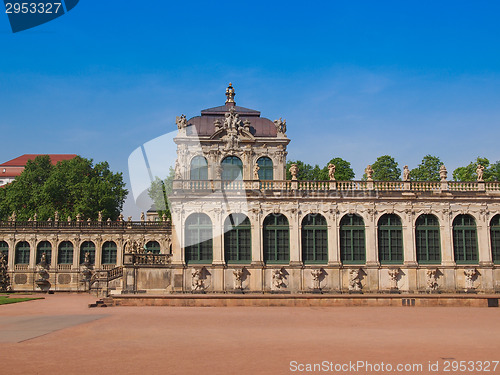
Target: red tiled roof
[{"x": 23, "y": 159}]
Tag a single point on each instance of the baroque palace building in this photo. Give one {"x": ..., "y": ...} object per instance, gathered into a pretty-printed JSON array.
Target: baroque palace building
[{"x": 238, "y": 226}]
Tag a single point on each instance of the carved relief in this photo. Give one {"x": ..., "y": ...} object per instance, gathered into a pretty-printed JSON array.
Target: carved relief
[
  {"x": 432, "y": 276},
  {"x": 197, "y": 282},
  {"x": 279, "y": 277},
  {"x": 393, "y": 278},
  {"x": 470, "y": 276},
  {"x": 355, "y": 280}
]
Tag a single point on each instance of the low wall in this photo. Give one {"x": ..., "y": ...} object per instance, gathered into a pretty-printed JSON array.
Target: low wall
[{"x": 200, "y": 300}]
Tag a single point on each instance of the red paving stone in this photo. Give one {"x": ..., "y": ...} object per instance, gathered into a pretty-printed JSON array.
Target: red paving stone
[{"x": 247, "y": 340}]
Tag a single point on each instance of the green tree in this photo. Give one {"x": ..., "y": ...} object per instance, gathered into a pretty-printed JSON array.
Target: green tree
[
  {"x": 495, "y": 171},
  {"x": 385, "y": 169},
  {"x": 343, "y": 170},
  {"x": 427, "y": 170},
  {"x": 71, "y": 187},
  {"x": 159, "y": 192},
  {"x": 468, "y": 173}
]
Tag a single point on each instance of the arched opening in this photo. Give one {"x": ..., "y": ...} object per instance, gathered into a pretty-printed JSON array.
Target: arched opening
[
  {"x": 22, "y": 255},
  {"x": 276, "y": 239},
  {"x": 390, "y": 239},
  {"x": 495, "y": 239},
  {"x": 4, "y": 250},
  {"x": 265, "y": 168},
  {"x": 232, "y": 168},
  {"x": 87, "y": 247},
  {"x": 465, "y": 240},
  {"x": 352, "y": 240},
  {"x": 65, "y": 253},
  {"x": 314, "y": 239},
  {"x": 198, "y": 239},
  {"x": 44, "y": 247},
  {"x": 153, "y": 247},
  {"x": 109, "y": 251},
  {"x": 428, "y": 241},
  {"x": 199, "y": 168},
  {"x": 237, "y": 239}
]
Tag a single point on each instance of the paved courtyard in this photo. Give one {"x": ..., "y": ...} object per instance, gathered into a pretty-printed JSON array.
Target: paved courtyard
[{"x": 60, "y": 335}]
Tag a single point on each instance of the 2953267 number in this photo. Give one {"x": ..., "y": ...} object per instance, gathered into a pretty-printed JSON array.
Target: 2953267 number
[{"x": 33, "y": 7}]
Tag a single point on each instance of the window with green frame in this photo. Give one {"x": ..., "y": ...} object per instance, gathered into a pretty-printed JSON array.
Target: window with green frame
[
  {"x": 153, "y": 247},
  {"x": 22, "y": 255},
  {"x": 198, "y": 239},
  {"x": 495, "y": 239},
  {"x": 428, "y": 240},
  {"x": 276, "y": 239},
  {"x": 237, "y": 239},
  {"x": 199, "y": 168},
  {"x": 390, "y": 239},
  {"x": 232, "y": 168},
  {"x": 4, "y": 249},
  {"x": 465, "y": 240},
  {"x": 87, "y": 247},
  {"x": 352, "y": 240},
  {"x": 314, "y": 239},
  {"x": 65, "y": 253},
  {"x": 44, "y": 247},
  {"x": 265, "y": 168},
  {"x": 109, "y": 251}
]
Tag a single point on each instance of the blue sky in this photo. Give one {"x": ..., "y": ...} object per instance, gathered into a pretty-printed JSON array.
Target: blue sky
[{"x": 354, "y": 79}]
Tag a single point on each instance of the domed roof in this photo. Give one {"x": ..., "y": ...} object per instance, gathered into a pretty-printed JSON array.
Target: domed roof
[{"x": 259, "y": 126}]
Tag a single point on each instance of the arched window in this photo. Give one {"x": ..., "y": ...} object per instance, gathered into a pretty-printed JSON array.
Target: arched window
[
  {"x": 44, "y": 247},
  {"x": 198, "y": 239},
  {"x": 237, "y": 239},
  {"x": 232, "y": 168},
  {"x": 266, "y": 168},
  {"x": 199, "y": 168},
  {"x": 65, "y": 253},
  {"x": 390, "y": 239},
  {"x": 109, "y": 251},
  {"x": 495, "y": 239},
  {"x": 465, "y": 240},
  {"x": 4, "y": 249},
  {"x": 276, "y": 239},
  {"x": 22, "y": 255},
  {"x": 314, "y": 239},
  {"x": 87, "y": 247},
  {"x": 428, "y": 240},
  {"x": 153, "y": 247},
  {"x": 352, "y": 240}
]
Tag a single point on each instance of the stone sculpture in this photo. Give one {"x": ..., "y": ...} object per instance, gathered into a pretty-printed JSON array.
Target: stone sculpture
[
  {"x": 256, "y": 169},
  {"x": 294, "y": 170},
  {"x": 278, "y": 278},
  {"x": 280, "y": 126},
  {"x": 480, "y": 173},
  {"x": 406, "y": 173},
  {"x": 470, "y": 275},
  {"x": 443, "y": 173},
  {"x": 393, "y": 275},
  {"x": 181, "y": 122},
  {"x": 238, "y": 278},
  {"x": 355, "y": 280},
  {"x": 331, "y": 172},
  {"x": 432, "y": 284},
  {"x": 4, "y": 276},
  {"x": 316, "y": 274},
  {"x": 197, "y": 283},
  {"x": 369, "y": 173}
]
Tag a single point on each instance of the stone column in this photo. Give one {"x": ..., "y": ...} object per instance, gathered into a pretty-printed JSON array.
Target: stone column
[
  {"x": 295, "y": 246},
  {"x": 333, "y": 241},
  {"x": 410, "y": 252},
  {"x": 371, "y": 243},
  {"x": 257, "y": 245},
  {"x": 447, "y": 241},
  {"x": 484, "y": 244},
  {"x": 217, "y": 238},
  {"x": 12, "y": 253},
  {"x": 98, "y": 253},
  {"x": 32, "y": 243},
  {"x": 76, "y": 254}
]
